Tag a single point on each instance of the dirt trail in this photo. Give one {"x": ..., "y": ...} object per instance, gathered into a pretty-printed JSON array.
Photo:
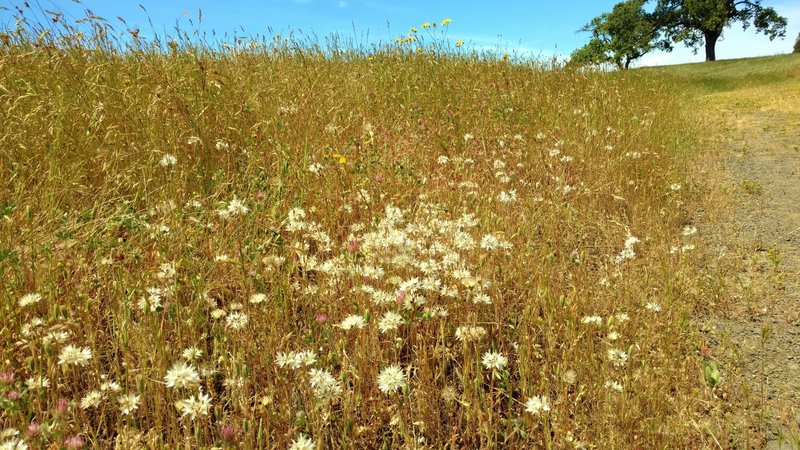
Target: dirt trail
[{"x": 761, "y": 330}]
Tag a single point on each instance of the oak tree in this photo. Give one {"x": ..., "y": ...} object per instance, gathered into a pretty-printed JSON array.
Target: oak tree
[
  {"x": 618, "y": 37},
  {"x": 701, "y": 22}
]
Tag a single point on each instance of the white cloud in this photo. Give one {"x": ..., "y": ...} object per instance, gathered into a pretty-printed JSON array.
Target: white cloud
[{"x": 499, "y": 45}]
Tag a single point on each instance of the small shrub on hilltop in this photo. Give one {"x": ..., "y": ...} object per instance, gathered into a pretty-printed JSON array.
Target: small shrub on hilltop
[{"x": 271, "y": 244}]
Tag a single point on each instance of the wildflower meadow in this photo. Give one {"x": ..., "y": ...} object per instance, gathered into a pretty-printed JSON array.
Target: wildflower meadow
[{"x": 275, "y": 243}]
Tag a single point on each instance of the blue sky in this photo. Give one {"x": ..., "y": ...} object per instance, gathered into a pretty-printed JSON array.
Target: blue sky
[{"x": 532, "y": 28}]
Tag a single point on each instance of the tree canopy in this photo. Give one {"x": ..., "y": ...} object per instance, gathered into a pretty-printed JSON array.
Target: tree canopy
[
  {"x": 701, "y": 22},
  {"x": 628, "y": 32},
  {"x": 618, "y": 37}
]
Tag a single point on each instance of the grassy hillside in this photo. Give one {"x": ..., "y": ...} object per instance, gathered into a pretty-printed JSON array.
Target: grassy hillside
[
  {"x": 765, "y": 84},
  {"x": 266, "y": 244},
  {"x": 734, "y": 74}
]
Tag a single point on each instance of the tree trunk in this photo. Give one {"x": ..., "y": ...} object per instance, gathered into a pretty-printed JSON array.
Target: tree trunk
[{"x": 711, "y": 44}]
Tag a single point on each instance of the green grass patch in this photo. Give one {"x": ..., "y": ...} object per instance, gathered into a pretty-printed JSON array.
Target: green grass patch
[{"x": 732, "y": 74}]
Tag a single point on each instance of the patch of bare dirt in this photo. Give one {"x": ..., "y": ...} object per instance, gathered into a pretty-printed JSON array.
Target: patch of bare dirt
[{"x": 760, "y": 330}]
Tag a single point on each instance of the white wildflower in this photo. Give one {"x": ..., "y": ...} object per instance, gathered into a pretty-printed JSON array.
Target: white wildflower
[
  {"x": 153, "y": 301},
  {"x": 302, "y": 442},
  {"x": 112, "y": 386},
  {"x": 482, "y": 298},
  {"x": 502, "y": 177},
  {"x": 494, "y": 360},
  {"x": 256, "y": 299},
  {"x": 236, "y": 320},
  {"x": 627, "y": 249},
  {"x": 168, "y": 160},
  {"x": 37, "y": 383},
  {"x": 353, "y": 321},
  {"x": 508, "y": 197},
  {"x": 315, "y": 168},
  {"x": 324, "y": 385},
  {"x": 78, "y": 356},
  {"x": 128, "y": 403},
  {"x": 592, "y": 320},
  {"x": 191, "y": 353},
  {"x": 13, "y": 443},
  {"x": 197, "y": 405},
  {"x": 470, "y": 333},
  {"x": 463, "y": 240},
  {"x": 390, "y": 321},
  {"x": 182, "y": 374},
  {"x": 306, "y": 358},
  {"x": 29, "y": 299},
  {"x": 617, "y": 357},
  {"x": 490, "y": 242},
  {"x": 92, "y": 399},
  {"x": 55, "y": 337},
  {"x": 166, "y": 271},
  {"x": 283, "y": 359},
  {"x": 653, "y": 306},
  {"x": 295, "y": 360},
  {"x": 537, "y": 404},
  {"x": 237, "y": 207},
  {"x": 390, "y": 379}
]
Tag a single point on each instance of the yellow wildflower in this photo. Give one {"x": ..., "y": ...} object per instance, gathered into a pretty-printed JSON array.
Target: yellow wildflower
[
  {"x": 459, "y": 43},
  {"x": 426, "y": 25},
  {"x": 446, "y": 21},
  {"x": 413, "y": 30}
]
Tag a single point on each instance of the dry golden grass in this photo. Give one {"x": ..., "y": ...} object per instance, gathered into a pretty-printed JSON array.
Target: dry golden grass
[{"x": 342, "y": 182}]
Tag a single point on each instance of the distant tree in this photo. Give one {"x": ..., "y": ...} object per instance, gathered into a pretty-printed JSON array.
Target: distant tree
[
  {"x": 797, "y": 44},
  {"x": 701, "y": 22},
  {"x": 618, "y": 37}
]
